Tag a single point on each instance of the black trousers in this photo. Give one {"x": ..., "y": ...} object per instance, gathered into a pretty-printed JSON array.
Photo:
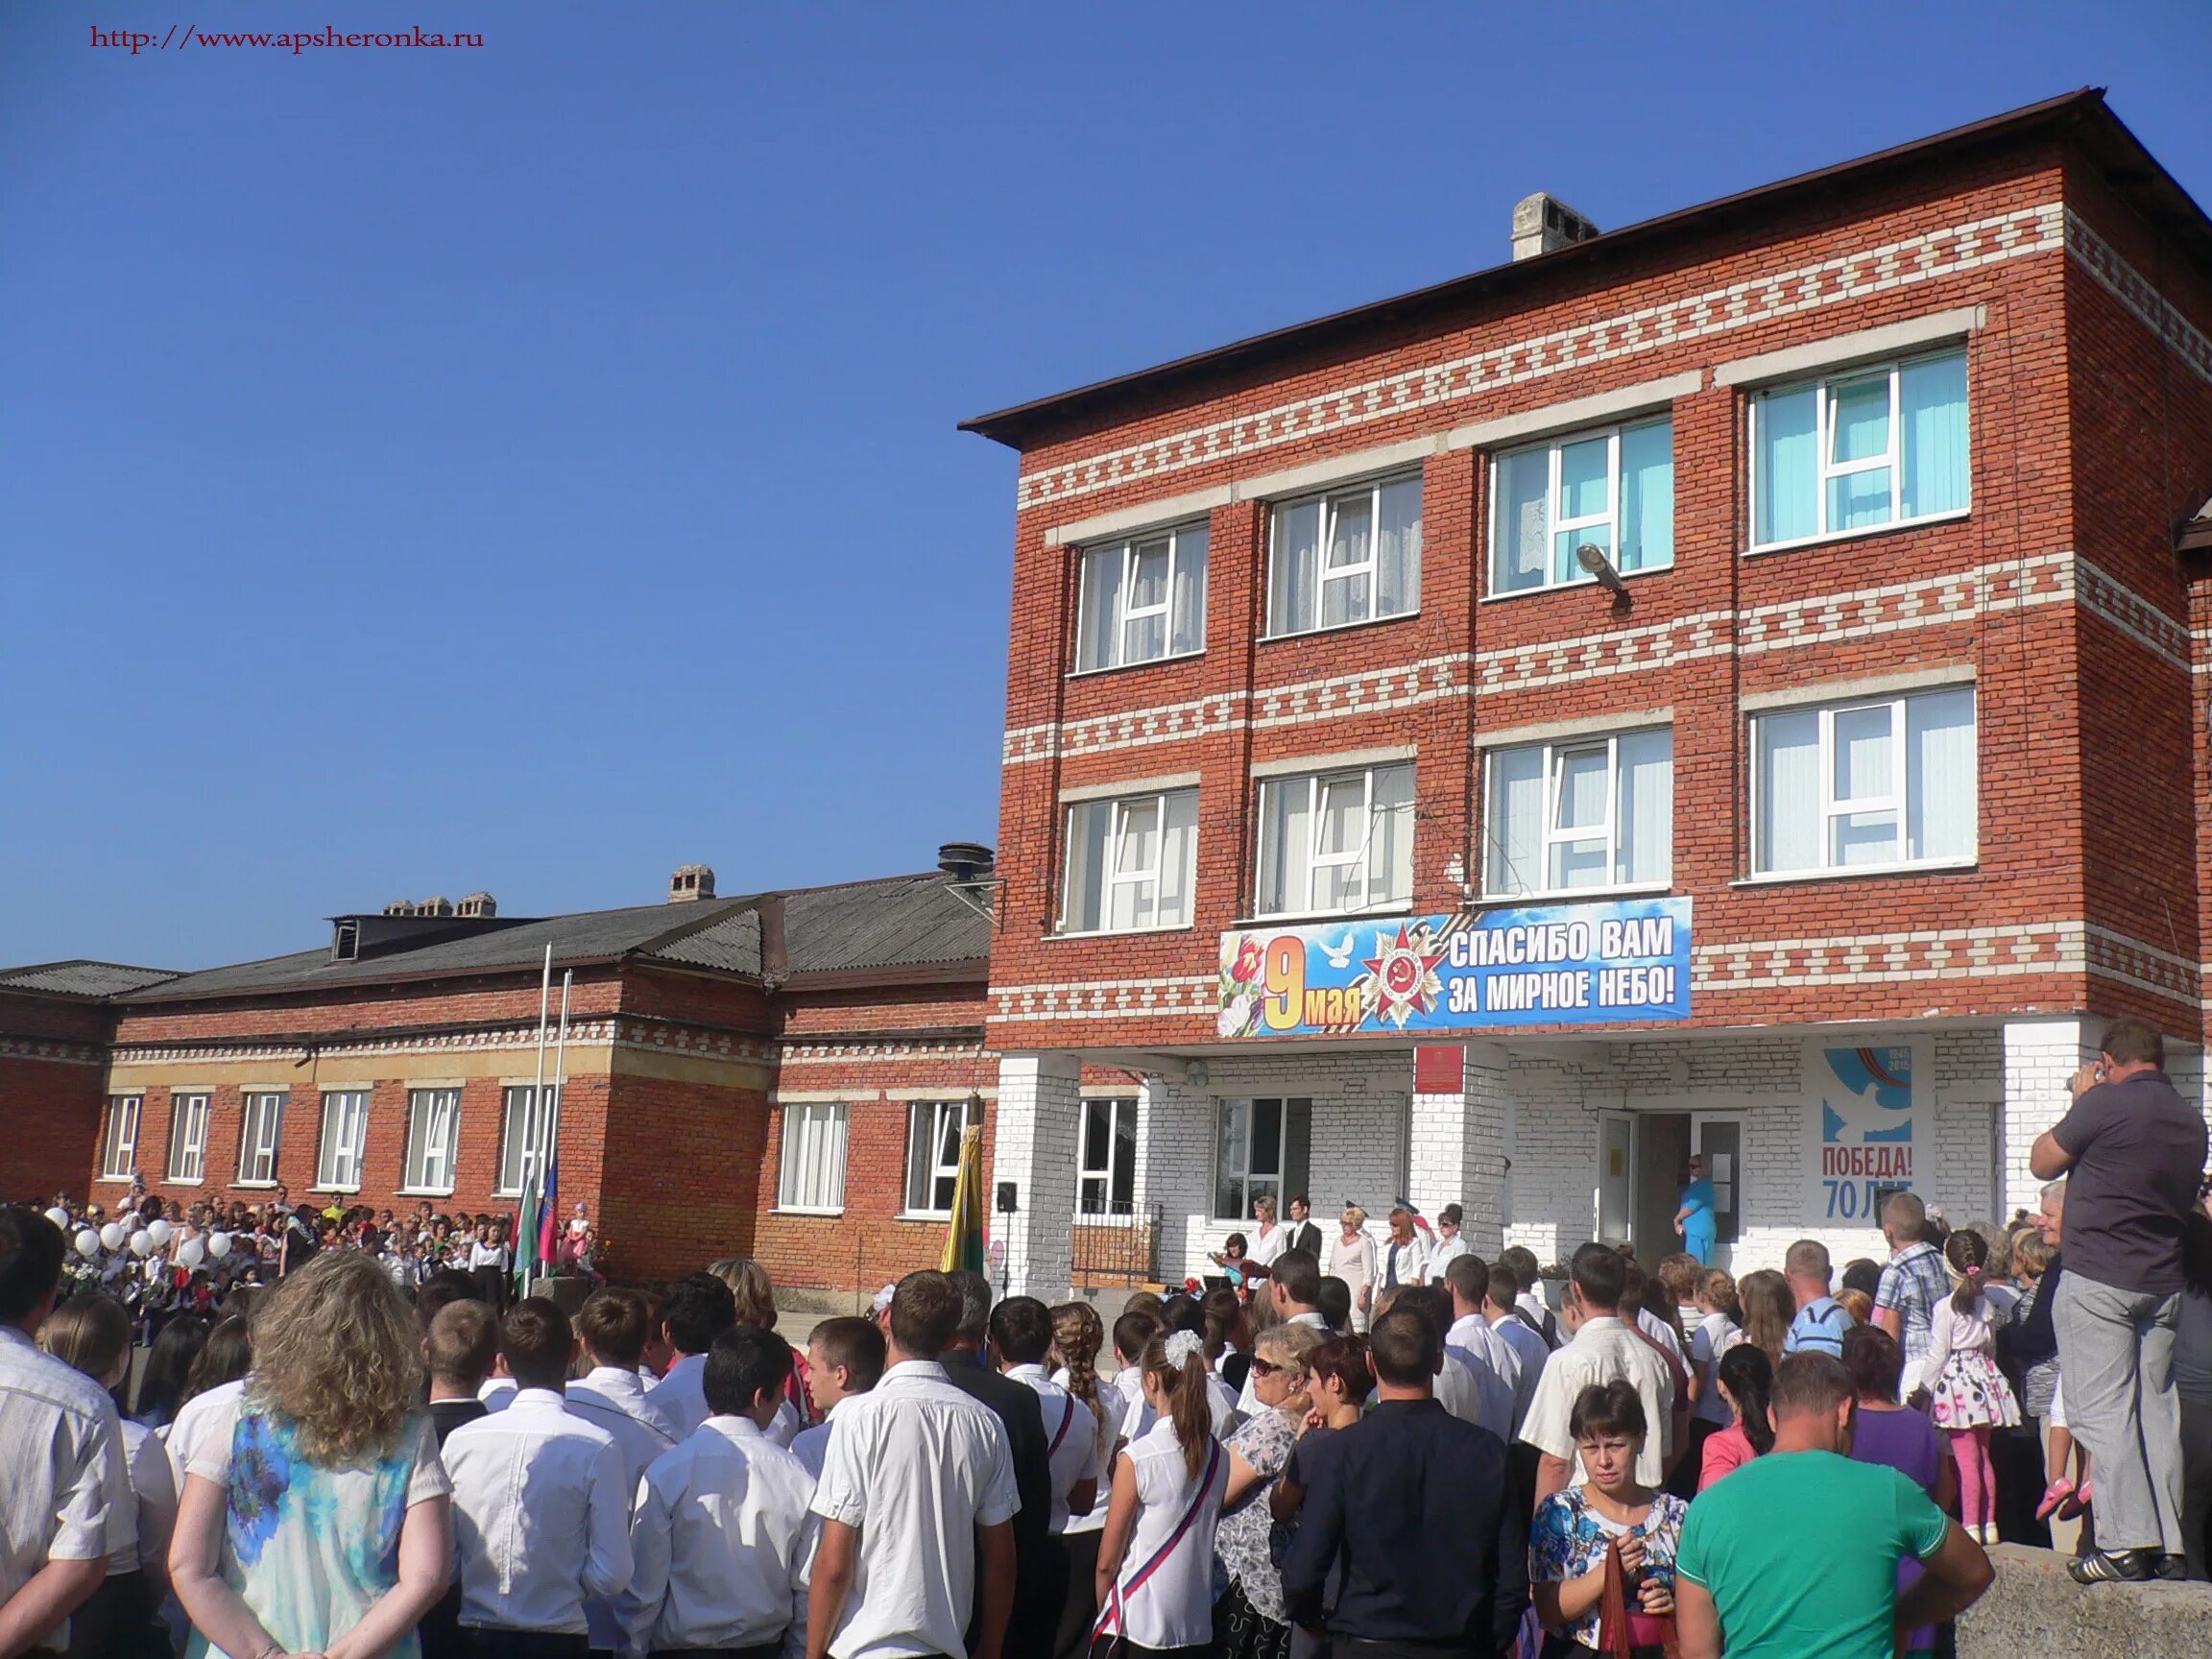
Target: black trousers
[
  {"x": 758, "y": 1651},
  {"x": 118, "y": 1621},
  {"x": 1079, "y": 1611},
  {"x": 491, "y": 1641},
  {"x": 2018, "y": 1456},
  {"x": 1524, "y": 1461}
]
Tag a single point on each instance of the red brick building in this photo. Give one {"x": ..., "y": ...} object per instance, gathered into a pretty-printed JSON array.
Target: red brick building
[
  {"x": 781, "y": 1075},
  {"x": 1793, "y": 578}
]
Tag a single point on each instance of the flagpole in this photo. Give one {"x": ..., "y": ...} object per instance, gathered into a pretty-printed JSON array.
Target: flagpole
[
  {"x": 559, "y": 1078},
  {"x": 531, "y": 1173}
]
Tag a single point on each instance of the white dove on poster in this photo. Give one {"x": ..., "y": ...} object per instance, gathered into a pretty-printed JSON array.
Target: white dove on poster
[{"x": 1340, "y": 954}]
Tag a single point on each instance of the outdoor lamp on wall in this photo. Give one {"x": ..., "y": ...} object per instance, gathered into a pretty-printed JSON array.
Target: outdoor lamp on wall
[{"x": 1591, "y": 558}]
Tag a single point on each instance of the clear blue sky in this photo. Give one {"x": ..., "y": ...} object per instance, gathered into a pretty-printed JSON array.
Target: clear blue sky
[{"x": 531, "y": 469}]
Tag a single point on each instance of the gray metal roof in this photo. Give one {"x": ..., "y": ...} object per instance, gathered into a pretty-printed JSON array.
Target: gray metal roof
[
  {"x": 902, "y": 920},
  {"x": 81, "y": 977}
]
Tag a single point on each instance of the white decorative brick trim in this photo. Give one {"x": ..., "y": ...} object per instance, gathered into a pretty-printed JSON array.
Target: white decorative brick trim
[
  {"x": 1879, "y": 269},
  {"x": 1107, "y": 998},
  {"x": 595, "y": 1033},
  {"x": 876, "y": 1053},
  {"x": 40, "y": 1049},
  {"x": 2096, "y": 255}
]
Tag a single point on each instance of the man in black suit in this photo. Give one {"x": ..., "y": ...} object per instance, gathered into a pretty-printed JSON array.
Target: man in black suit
[
  {"x": 1304, "y": 1234},
  {"x": 1040, "y": 1571}
]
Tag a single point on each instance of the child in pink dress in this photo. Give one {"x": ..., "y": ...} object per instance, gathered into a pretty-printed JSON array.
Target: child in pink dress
[{"x": 1969, "y": 1394}]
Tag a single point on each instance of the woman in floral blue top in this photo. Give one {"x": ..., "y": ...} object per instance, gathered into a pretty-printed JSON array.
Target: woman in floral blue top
[
  {"x": 315, "y": 1516},
  {"x": 1568, "y": 1539}
]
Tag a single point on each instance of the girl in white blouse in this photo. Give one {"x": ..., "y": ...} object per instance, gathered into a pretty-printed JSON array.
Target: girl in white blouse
[{"x": 1154, "y": 1575}]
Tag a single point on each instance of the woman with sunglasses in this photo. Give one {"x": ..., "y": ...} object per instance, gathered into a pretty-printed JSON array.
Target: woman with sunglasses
[{"x": 1249, "y": 1619}]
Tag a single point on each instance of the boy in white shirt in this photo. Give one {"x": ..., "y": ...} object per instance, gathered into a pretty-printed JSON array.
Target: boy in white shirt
[
  {"x": 723, "y": 1540},
  {"x": 844, "y": 1358},
  {"x": 1021, "y": 1337},
  {"x": 541, "y": 1518}
]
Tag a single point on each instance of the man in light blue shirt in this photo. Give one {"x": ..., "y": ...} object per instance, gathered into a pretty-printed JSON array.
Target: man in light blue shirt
[{"x": 1821, "y": 1320}]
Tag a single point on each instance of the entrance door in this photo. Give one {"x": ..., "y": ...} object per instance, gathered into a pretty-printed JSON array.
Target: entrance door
[
  {"x": 1616, "y": 1175},
  {"x": 1720, "y": 1138},
  {"x": 1662, "y": 1153}
]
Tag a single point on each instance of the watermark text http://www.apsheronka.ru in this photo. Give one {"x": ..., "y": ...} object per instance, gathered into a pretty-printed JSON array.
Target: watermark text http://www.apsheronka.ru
[{"x": 189, "y": 37}]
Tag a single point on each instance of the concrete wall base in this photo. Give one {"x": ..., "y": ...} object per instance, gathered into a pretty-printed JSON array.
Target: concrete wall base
[{"x": 2034, "y": 1608}]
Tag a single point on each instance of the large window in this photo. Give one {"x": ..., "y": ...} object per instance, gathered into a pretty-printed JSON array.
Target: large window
[
  {"x": 934, "y": 1155},
  {"x": 1887, "y": 784},
  {"x": 525, "y": 1133},
  {"x": 1106, "y": 1177},
  {"x": 813, "y": 1172},
  {"x": 187, "y": 1135},
  {"x": 1260, "y": 1150},
  {"x": 1880, "y": 446},
  {"x": 1142, "y": 599},
  {"x": 119, "y": 1151},
  {"x": 1595, "y": 812},
  {"x": 1336, "y": 841},
  {"x": 1131, "y": 863},
  {"x": 1612, "y": 489},
  {"x": 433, "y": 1139},
  {"x": 345, "y": 1140},
  {"x": 257, "y": 1140},
  {"x": 1348, "y": 556}
]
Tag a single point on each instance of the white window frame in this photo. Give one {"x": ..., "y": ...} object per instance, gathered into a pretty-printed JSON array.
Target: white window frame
[
  {"x": 1125, "y": 614},
  {"x": 119, "y": 1144},
  {"x": 1111, "y": 874},
  {"x": 342, "y": 1147},
  {"x": 1245, "y": 1177},
  {"x": 261, "y": 1134},
  {"x": 190, "y": 1110},
  {"x": 1364, "y": 855},
  {"x": 1114, "y": 1106},
  {"x": 1824, "y": 445},
  {"x": 1322, "y": 575},
  {"x": 941, "y": 1169},
  {"x": 813, "y": 1118},
  {"x": 1896, "y": 801},
  {"x": 429, "y": 1110},
  {"x": 1556, "y": 525},
  {"x": 538, "y": 1129},
  {"x": 1555, "y": 756}
]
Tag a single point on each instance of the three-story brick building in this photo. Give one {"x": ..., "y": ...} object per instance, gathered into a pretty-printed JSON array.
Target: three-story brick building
[{"x": 1726, "y": 683}]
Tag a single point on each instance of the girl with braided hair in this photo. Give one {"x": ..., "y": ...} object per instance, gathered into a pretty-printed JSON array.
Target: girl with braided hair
[{"x": 1155, "y": 1574}]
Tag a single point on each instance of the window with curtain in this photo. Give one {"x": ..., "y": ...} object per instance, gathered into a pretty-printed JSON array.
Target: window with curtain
[
  {"x": 1332, "y": 842},
  {"x": 933, "y": 1130},
  {"x": 345, "y": 1140},
  {"x": 1106, "y": 1174},
  {"x": 187, "y": 1137},
  {"x": 1887, "y": 783},
  {"x": 1348, "y": 556},
  {"x": 1261, "y": 1151},
  {"x": 812, "y": 1177},
  {"x": 1612, "y": 488},
  {"x": 525, "y": 1132},
  {"x": 1131, "y": 863},
  {"x": 433, "y": 1139},
  {"x": 1142, "y": 599},
  {"x": 258, "y": 1138},
  {"x": 1590, "y": 812},
  {"x": 1877, "y": 446},
  {"x": 120, "y": 1149}
]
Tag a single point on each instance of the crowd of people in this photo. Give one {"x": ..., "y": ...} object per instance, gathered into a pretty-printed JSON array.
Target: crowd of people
[
  {"x": 1432, "y": 1460},
  {"x": 160, "y": 1257}
]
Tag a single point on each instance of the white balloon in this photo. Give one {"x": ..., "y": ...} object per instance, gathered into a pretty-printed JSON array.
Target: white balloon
[
  {"x": 218, "y": 1245},
  {"x": 57, "y": 1216},
  {"x": 142, "y": 1242},
  {"x": 159, "y": 1231},
  {"x": 113, "y": 1235},
  {"x": 87, "y": 1243},
  {"x": 191, "y": 1253}
]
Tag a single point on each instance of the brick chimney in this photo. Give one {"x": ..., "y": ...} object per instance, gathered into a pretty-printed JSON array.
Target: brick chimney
[
  {"x": 1543, "y": 224},
  {"x": 691, "y": 883}
]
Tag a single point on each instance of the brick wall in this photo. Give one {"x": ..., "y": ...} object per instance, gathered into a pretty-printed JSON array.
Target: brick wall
[
  {"x": 51, "y": 1099},
  {"x": 2067, "y": 614}
]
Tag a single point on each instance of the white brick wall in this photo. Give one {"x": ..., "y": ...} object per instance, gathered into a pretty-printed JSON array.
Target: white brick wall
[
  {"x": 1038, "y": 1121},
  {"x": 2040, "y": 1055}
]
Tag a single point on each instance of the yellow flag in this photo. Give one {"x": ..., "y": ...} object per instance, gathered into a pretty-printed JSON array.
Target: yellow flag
[{"x": 964, "y": 1237}]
